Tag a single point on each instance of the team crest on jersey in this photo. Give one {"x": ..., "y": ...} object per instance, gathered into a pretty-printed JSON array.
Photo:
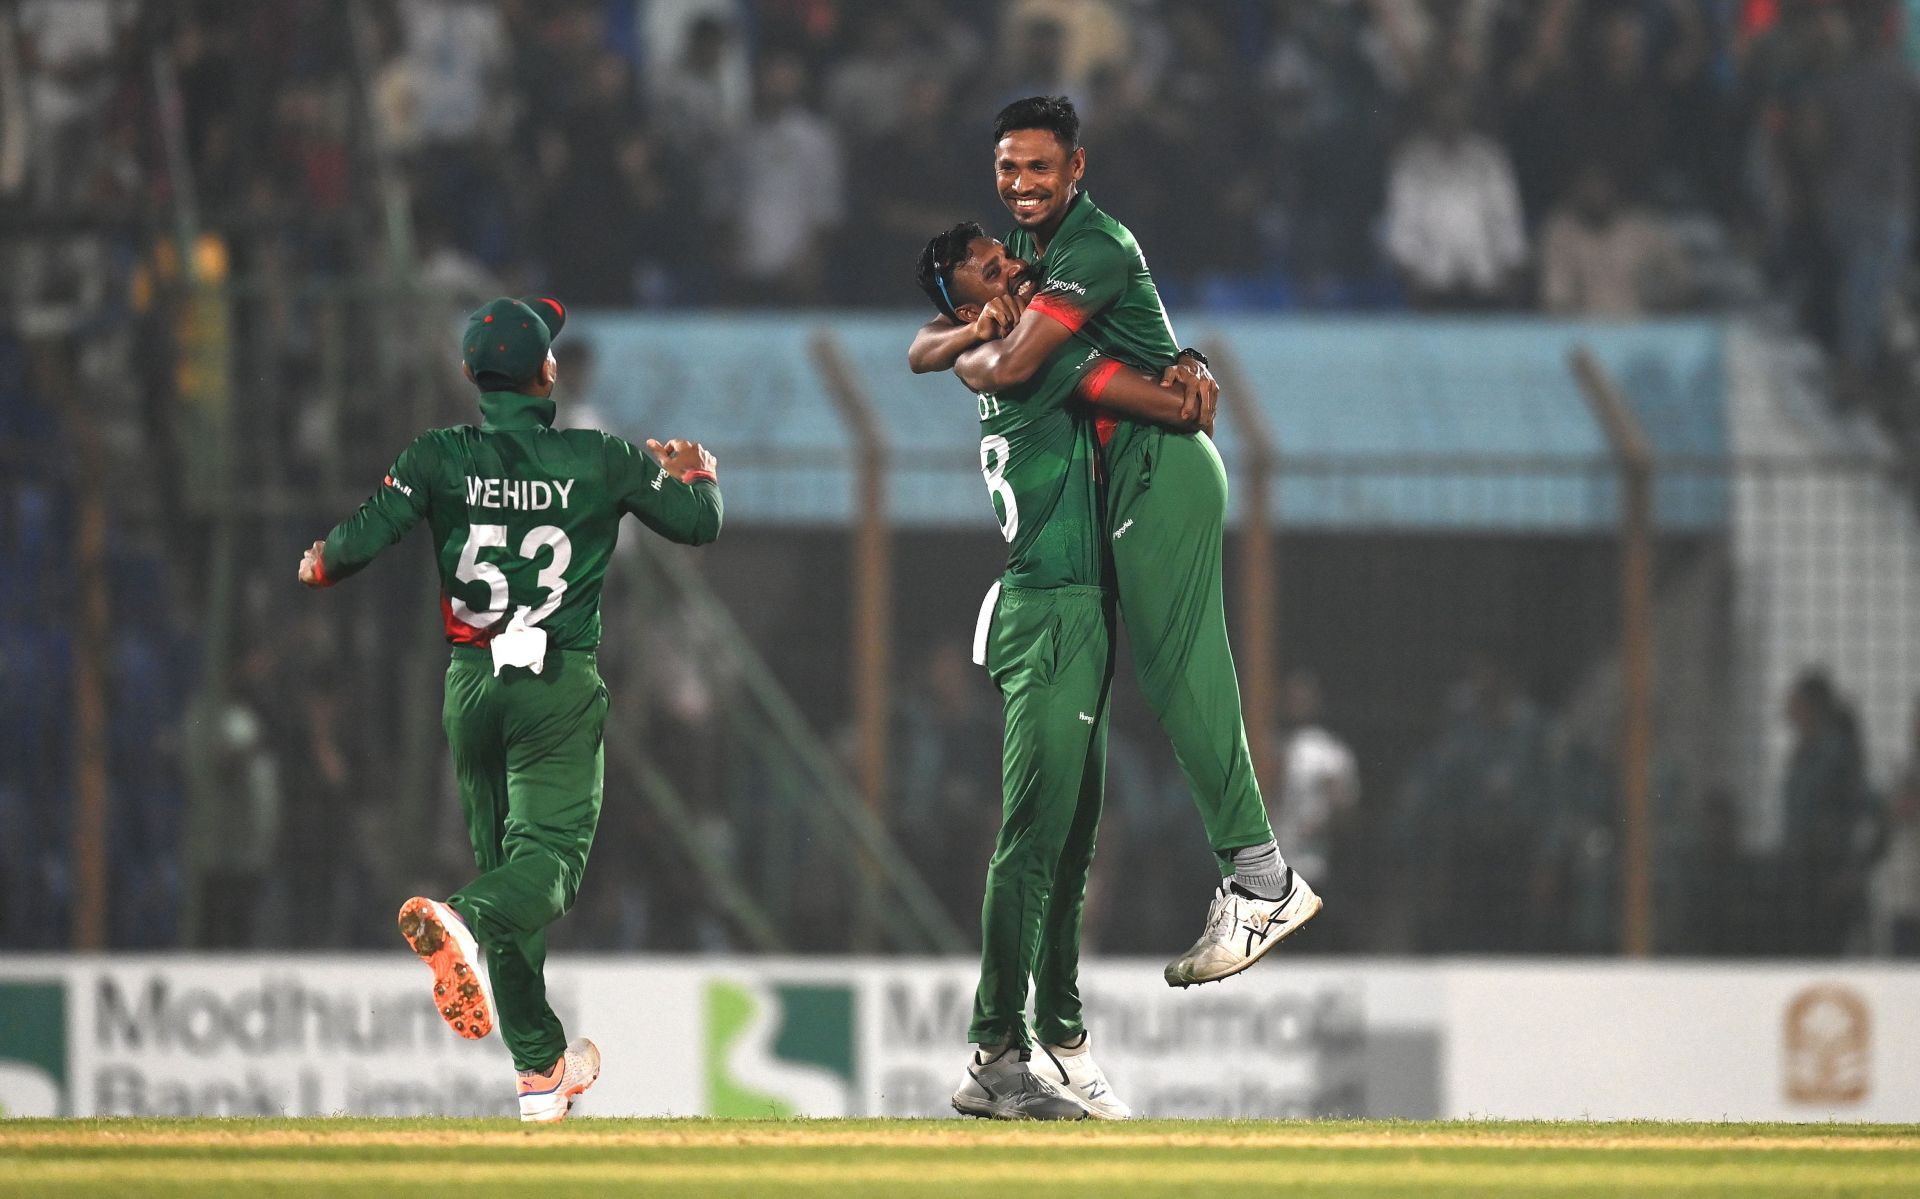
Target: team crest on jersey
[{"x": 400, "y": 487}]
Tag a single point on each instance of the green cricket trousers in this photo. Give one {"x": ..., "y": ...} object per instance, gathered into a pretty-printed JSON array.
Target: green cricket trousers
[
  {"x": 1166, "y": 516},
  {"x": 1050, "y": 653},
  {"x": 527, "y": 750}
]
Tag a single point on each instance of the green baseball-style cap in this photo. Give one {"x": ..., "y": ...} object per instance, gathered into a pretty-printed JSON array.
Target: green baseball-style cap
[{"x": 510, "y": 338}]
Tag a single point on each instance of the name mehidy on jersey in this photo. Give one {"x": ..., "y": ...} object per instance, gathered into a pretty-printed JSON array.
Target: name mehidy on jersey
[{"x": 524, "y": 495}]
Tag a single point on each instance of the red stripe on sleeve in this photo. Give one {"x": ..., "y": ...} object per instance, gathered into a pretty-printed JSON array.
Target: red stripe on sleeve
[
  {"x": 1093, "y": 384},
  {"x": 1104, "y": 426},
  {"x": 1059, "y": 310}
]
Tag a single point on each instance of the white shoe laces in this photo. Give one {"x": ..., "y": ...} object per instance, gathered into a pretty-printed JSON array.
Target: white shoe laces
[{"x": 1222, "y": 916}]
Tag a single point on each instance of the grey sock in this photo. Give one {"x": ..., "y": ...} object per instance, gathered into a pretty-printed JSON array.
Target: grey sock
[{"x": 1261, "y": 871}]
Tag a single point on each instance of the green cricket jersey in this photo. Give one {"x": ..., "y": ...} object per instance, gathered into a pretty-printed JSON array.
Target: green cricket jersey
[
  {"x": 524, "y": 518},
  {"x": 1095, "y": 281},
  {"x": 1041, "y": 464}
]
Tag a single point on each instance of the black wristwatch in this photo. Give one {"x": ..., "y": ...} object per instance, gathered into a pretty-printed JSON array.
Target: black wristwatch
[{"x": 1196, "y": 355}]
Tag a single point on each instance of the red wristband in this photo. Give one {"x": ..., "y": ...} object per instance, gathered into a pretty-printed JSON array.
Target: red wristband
[
  {"x": 695, "y": 475},
  {"x": 320, "y": 569}
]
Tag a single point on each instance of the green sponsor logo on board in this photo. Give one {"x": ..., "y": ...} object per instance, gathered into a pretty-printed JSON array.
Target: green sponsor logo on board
[
  {"x": 33, "y": 1049},
  {"x": 779, "y": 1049}
]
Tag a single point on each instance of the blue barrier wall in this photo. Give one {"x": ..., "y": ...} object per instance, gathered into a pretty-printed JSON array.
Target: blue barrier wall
[{"x": 1469, "y": 424}]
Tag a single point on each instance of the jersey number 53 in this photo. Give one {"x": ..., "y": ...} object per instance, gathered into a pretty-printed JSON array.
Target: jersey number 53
[{"x": 471, "y": 570}]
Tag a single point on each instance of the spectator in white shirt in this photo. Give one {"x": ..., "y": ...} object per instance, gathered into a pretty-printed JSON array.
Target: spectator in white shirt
[
  {"x": 455, "y": 51},
  {"x": 1320, "y": 784},
  {"x": 785, "y": 189},
  {"x": 1599, "y": 257},
  {"x": 1454, "y": 224},
  {"x": 703, "y": 96}
]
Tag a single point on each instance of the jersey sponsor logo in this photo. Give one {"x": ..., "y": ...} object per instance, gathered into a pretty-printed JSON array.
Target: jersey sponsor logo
[
  {"x": 1122, "y": 530},
  {"x": 400, "y": 487},
  {"x": 659, "y": 479},
  {"x": 1086, "y": 718},
  {"x": 522, "y": 495},
  {"x": 1060, "y": 285}
]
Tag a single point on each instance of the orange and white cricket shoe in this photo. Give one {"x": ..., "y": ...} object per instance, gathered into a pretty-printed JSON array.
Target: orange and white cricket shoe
[
  {"x": 443, "y": 941},
  {"x": 546, "y": 1096}
]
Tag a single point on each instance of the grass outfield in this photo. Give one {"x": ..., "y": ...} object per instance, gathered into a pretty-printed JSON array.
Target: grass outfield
[{"x": 948, "y": 1157}]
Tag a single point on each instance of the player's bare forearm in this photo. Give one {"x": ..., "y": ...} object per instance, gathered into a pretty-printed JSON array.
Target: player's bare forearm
[
  {"x": 938, "y": 344},
  {"x": 1139, "y": 396},
  {"x": 1015, "y": 358}
]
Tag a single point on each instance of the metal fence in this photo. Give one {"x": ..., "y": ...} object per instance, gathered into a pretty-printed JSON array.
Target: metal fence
[{"x": 1485, "y": 726}]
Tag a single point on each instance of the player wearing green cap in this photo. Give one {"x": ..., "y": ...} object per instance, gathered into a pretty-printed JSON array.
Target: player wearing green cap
[
  {"x": 524, "y": 519},
  {"x": 1166, "y": 511},
  {"x": 1045, "y": 636}
]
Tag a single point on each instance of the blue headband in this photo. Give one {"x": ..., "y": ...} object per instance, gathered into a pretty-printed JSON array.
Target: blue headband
[{"x": 952, "y": 310}]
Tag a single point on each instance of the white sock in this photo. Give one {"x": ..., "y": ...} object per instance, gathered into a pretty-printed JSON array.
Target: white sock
[{"x": 1072, "y": 1047}]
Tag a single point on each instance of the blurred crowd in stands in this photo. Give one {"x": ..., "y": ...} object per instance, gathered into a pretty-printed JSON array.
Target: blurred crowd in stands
[{"x": 1602, "y": 158}]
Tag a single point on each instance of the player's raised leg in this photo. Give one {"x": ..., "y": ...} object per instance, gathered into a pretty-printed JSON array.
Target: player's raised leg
[
  {"x": 552, "y": 725},
  {"x": 1166, "y": 514}
]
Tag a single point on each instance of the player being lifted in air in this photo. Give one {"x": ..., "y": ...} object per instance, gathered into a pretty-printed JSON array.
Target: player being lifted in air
[
  {"x": 1045, "y": 635},
  {"x": 1165, "y": 512},
  {"x": 524, "y": 519}
]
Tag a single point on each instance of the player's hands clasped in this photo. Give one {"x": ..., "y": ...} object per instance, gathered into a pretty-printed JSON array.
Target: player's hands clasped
[
  {"x": 310, "y": 565},
  {"x": 681, "y": 458},
  {"x": 1200, "y": 392},
  {"x": 997, "y": 318}
]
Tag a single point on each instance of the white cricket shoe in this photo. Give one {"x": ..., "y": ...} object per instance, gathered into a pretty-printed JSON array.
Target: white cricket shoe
[
  {"x": 545, "y": 1099},
  {"x": 1240, "y": 930},
  {"x": 1080, "y": 1077},
  {"x": 1005, "y": 1088}
]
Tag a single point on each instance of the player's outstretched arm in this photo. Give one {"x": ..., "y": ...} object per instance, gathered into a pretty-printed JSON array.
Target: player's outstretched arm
[
  {"x": 394, "y": 508},
  {"x": 1119, "y": 389},
  {"x": 674, "y": 490}
]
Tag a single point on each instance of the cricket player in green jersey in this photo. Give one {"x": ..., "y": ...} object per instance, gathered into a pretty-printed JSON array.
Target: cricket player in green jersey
[
  {"x": 1166, "y": 512},
  {"x": 524, "y": 519},
  {"x": 1045, "y": 635}
]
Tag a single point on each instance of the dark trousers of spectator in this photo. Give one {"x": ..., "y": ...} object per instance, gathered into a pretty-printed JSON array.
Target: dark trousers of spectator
[
  {"x": 228, "y": 900},
  {"x": 1904, "y": 937},
  {"x": 1868, "y": 244}
]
